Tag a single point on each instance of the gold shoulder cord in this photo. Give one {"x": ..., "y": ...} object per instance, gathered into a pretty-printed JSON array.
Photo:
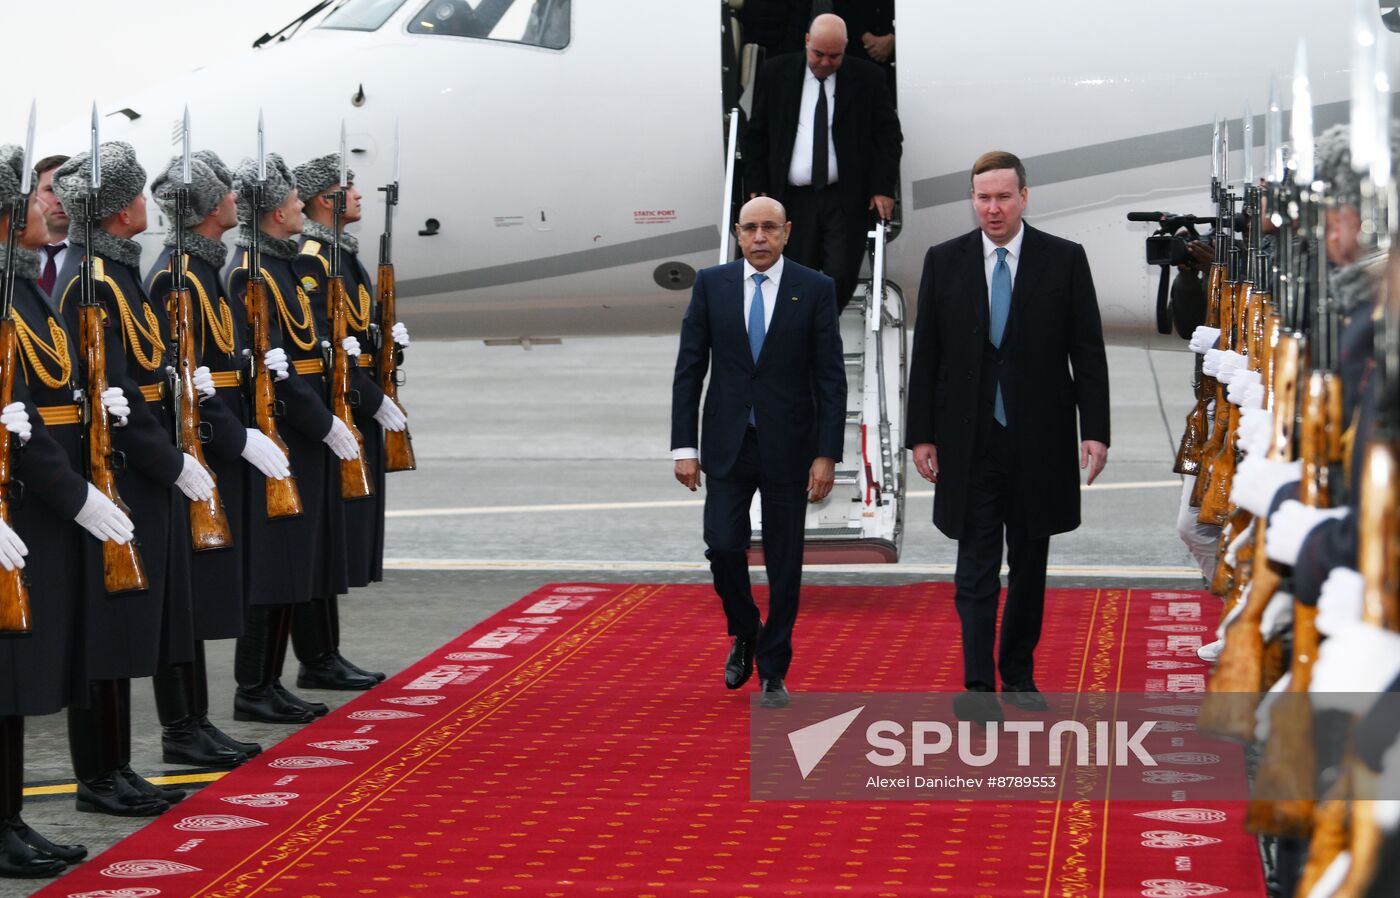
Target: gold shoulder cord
[
  {"x": 134, "y": 331},
  {"x": 220, "y": 324},
  {"x": 34, "y": 344},
  {"x": 293, "y": 328},
  {"x": 359, "y": 317}
]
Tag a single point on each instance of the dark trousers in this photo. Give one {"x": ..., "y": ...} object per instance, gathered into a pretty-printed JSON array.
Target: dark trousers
[
  {"x": 991, "y": 516},
  {"x": 727, "y": 536},
  {"x": 826, "y": 237}
]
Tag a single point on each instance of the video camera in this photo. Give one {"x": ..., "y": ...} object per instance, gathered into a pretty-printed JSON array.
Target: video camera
[{"x": 1166, "y": 247}]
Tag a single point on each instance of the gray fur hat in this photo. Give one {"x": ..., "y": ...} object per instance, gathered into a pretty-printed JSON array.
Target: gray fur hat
[
  {"x": 1334, "y": 163},
  {"x": 123, "y": 179},
  {"x": 207, "y": 189},
  {"x": 320, "y": 174},
  {"x": 216, "y": 165},
  {"x": 11, "y": 166},
  {"x": 280, "y": 183}
]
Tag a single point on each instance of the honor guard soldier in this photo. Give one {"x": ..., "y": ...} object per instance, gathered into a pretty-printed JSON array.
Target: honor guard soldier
[
  {"x": 315, "y": 629},
  {"x": 149, "y": 632},
  {"x": 43, "y": 669},
  {"x": 219, "y": 344},
  {"x": 293, "y": 557}
]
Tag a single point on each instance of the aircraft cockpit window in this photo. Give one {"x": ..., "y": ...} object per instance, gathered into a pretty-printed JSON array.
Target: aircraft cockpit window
[
  {"x": 361, "y": 15},
  {"x": 540, "y": 23}
]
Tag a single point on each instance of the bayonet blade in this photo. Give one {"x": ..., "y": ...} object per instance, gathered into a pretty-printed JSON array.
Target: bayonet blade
[
  {"x": 396, "y": 151},
  {"x": 1215, "y": 151},
  {"x": 95, "y": 163},
  {"x": 344, "y": 177},
  {"x": 185, "y": 177},
  {"x": 1363, "y": 90},
  {"x": 1274, "y": 135},
  {"x": 1248, "y": 146},
  {"x": 27, "y": 176},
  {"x": 262, "y": 154},
  {"x": 1380, "y": 156},
  {"x": 1304, "y": 153}
]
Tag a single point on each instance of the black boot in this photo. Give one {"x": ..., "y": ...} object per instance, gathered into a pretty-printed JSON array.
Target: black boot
[
  {"x": 94, "y": 734},
  {"x": 333, "y": 612},
  {"x": 315, "y": 709},
  {"x": 201, "y": 708},
  {"x": 313, "y": 637},
  {"x": 134, "y": 779},
  {"x": 17, "y": 858},
  {"x": 257, "y": 665},
  {"x": 182, "y": 739}
]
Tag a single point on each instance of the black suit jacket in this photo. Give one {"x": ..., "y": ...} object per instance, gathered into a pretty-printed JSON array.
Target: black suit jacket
[
  {"x": 1053, "y": 346},
  {"x": 864, "y": 129},
  {"x": 797, "y": 389}
]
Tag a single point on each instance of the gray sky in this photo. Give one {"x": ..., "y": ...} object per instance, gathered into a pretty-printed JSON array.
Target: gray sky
[{"x": 66, "y": 71}]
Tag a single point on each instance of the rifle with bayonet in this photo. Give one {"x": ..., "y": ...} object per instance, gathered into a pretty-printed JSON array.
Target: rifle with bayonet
[
  {"x": 122, "y": 570},
  {"x": 15, "y": 619},
  {"x": 355, "y": 480},
  {"x": 398, "y": 444},
  {"x": 209, "y": 527},
  {"x": 283, "y": 497},
  {"x": 1214, "y": 487}
]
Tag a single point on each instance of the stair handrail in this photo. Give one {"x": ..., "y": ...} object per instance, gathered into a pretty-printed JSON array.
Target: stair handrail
[{"x": 726, "y": 231}]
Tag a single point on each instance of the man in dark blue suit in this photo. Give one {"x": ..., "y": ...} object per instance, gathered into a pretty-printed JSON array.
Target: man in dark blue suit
[{"x": 765, "y": 328}]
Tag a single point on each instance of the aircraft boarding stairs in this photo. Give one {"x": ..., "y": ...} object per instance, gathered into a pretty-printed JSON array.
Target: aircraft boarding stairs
[{"x": 862, "y": 520}]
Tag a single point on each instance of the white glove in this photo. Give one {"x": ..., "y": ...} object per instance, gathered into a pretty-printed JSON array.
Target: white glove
[
  {"x": 102, "y": 518},
  {"x": 194, "y": 481},
  {"x": 1240, "y": 381},
  {"x": 1277, "y": 617},
  {"x": 1339, "y": 603},
  {"x": 1210, "y": 365},
  {"x": 1256, "y": 430},
  {"x": 1290, "y": 526},
  {"x": 1387, "y": 811},
  {"x": 1253, "y": 397},
  {"x": 400, "y": 334},
  {"x": 12, "y": 548},
  {"x": 204, "y": 383},
  {"x": 114, "y": 400},
  {"x": 1332, "y": 878},
  {"x": 263, "y": 454},
  {"x": 1264, "y": 714},
  {"x": 16, "y": 421},
  {"x": 1204, "y": 338},
  {"x": 276, "y": 362},
  {"x": 1257, "y": 479},
  {"x": 390, "y": 415},
  {"x": 1232, "y": 551},
  {"x": 351, "y": 345},
  {"x": 342, "y": 441},
  {"x": 1354, "y": 665},
  {"x": 1231, "y": 364}
]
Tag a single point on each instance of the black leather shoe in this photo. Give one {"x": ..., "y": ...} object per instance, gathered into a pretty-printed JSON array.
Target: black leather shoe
[
  {"x": 772, "y": 693},
  {"x": 149, "y": 789},
  {"x": 250, "y": 749},
  {"x": 186, "y": 742},
  {"x": 265, "y": 705},
  {"x": 1024, "y": 696},
  {"x": 330, "y": 672},
  {"x": 19, "y": 860},
  {"x": 978, "y": 706},
  {"x": 112, "y": 794},
  {"x": 316, "y": 709},
  {"x": 378, "y": 675},
  {"x": 69, "y": 854},
  {"x": 738, "y": 667}
]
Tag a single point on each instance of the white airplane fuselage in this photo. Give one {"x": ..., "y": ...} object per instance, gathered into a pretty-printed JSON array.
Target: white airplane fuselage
[{"x": 567, "y": 184}]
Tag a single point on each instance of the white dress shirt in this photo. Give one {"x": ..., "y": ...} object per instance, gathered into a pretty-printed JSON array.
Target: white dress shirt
[
  {"x": 800, "y": 169},
  {"x": 1013, "y": 258},
  {"x": 769, "y": 297}
]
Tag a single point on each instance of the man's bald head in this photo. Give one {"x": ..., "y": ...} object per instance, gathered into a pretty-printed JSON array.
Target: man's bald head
[
  {"x": 763, "y": 231},
  {"x": 826, "y": 44}
]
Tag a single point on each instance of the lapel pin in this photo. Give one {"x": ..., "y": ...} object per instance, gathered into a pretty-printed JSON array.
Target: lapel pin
[{"x": 794, "y": 299}]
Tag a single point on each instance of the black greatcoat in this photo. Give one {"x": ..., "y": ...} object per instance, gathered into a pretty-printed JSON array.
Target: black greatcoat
[
  {"x": 293, "y": 560},
  {"x": 1054, "y": 346},
  {"x": 218, "y": 344},
  {"x": 364, "y": 518},
  {"x": 133, "y": 635},
  {"x": 43, "y": 672}
]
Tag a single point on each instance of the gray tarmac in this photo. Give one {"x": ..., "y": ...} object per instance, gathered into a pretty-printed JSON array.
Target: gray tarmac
[{"x": 506, "y": 436}]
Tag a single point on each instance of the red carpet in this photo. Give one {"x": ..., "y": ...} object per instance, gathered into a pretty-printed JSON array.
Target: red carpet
[{"x": 581, "y": 743}]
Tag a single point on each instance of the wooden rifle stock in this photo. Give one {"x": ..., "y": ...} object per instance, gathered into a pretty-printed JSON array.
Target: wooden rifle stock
[
  {"x": 1215, "y": 505},
  {"x": 1188, "y": 454},
  {"x": 15, "y": 618},
  {"x": 208, "y": 523},
  {"x": 355, "y": 482},
  {"x": 398, "y": 445},
  {"x": 122, "y": 570},
  {"x": 283, "y": 497},
  {"x": 1221, "y": 416}
]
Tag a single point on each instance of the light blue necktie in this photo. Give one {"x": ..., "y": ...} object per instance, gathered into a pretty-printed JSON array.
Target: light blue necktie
[
  {"x": 1001, "y": 308},
  {"x": 756, "y": 325}
]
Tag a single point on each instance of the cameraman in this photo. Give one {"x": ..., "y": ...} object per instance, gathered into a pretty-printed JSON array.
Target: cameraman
[{"x": 1188, "y": 292}]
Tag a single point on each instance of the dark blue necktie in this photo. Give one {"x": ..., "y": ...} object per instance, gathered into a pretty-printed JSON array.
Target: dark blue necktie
[
  {"x": 1001, "y": 309},
  {"x": 756, "y": 325}
]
